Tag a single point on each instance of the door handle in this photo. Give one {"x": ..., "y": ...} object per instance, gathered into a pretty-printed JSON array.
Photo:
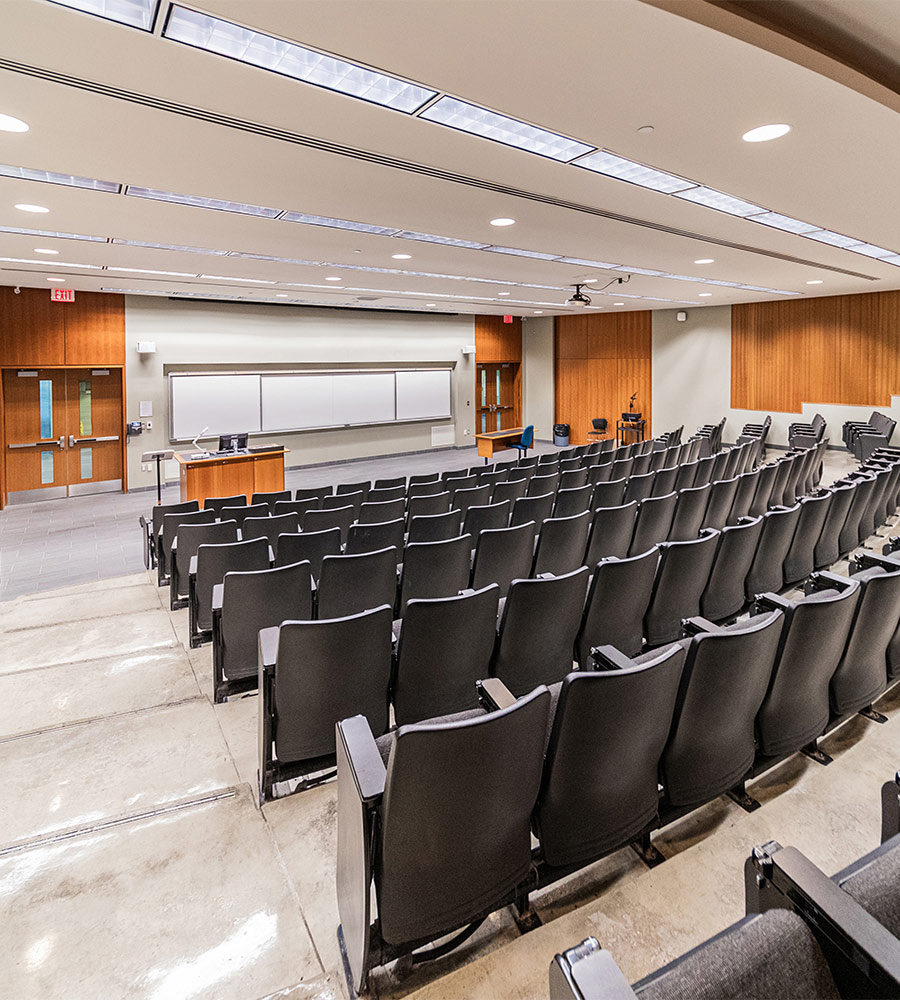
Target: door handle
[
  {"x": 91, "y": 440},
  {"x": 60, "y": 443}
]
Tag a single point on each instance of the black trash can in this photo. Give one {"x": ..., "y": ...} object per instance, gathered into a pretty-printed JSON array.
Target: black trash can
[{"x": 561, "y": 435}]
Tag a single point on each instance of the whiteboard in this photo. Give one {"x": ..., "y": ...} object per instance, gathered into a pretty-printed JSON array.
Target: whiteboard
[
  {"x": 295, "y": 402},
  {"x": 423, "y": 394},
  {"x": 226, "y": 404},
  {"x": 364, "y": 399}
]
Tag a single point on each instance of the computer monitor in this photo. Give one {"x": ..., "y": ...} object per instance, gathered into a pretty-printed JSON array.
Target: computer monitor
[{"x": 232, "y": 442}]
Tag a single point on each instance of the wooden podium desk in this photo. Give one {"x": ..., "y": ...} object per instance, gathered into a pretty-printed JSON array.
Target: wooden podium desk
[
  {"x": 229, "y": 475},
  {"x": 495, "y": 441}
]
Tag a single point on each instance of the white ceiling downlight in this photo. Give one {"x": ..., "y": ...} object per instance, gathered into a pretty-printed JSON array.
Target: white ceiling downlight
[{"x": 765, "y": 133}]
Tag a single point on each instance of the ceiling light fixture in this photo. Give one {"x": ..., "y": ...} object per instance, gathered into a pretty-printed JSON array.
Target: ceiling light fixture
[
  {"x": 538, "y": 312},
  {"x": 195, "y": 201},
  {"x": 136, "y": 13},
  {"x": 10, "y": 124},
  {"x": 431, "y": 305},
  {"x": 49, "y": 177},
  {"x": 401, "y": 256},
  {"x": 815, "y": 281},
  {"x": 503, "y": 293},
  {"x": 503, "y": 222},
  {"x": 784, "y": 222},
  {"x": 705, "y": 260},
  {"x": 443, "y": 240},
  {"x": 704, "y": 295},
  {"x": 57, "y": 281},
  {"x": 329, "y": 223},
  {"x": 607, "y": 163},
  {"x": 45, "y": 250},
  {"x": 765, "y": 133},
  {"x": 618, "y": 303},
  {"x": 720, "y": 201},
  {"x": 39, "y": 209},
  {"x": 333, "y": 278}
]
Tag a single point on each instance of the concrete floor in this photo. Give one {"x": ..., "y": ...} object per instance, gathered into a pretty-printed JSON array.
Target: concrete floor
[{"x": 134, "y": 861}]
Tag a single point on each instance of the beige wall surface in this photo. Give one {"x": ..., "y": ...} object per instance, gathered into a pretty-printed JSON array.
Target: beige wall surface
[{"x": 537, "y": 376}]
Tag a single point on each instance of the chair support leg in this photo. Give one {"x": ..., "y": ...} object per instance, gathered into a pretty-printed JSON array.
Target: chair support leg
[
  {"x": 869, "y": 713},
  {"x": 647, "y": 852},
  {"x": 812, "y": 751},
  {"x": 746, "y": 802},
  {"x": 525, "y": 916}
]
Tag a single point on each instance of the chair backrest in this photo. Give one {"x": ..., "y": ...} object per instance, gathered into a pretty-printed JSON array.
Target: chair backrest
[
  {"x": 718, "y": 507},
  {"x": 868, "y": 520},
  {"x": 599, "y": 423},
  {"x": 342, "y": 500},
  {"x": 532, "y": 508},
  {"x": 609, "y": 493},
  {"x": 425, "y": 489},
  {"x": 684, "y": 478},
  {"x": 425, "y": 477},
  {"x": 611, "y": 531},
  {"x": 270, "y": 527},
  {"x": 653, "y": 522},
  {"x": 314, "y": 493},
  {"x": 690, "y": 508},
  {"x": 783, "y": 467},
  {"x": 704, "y": 472},
  {"x": 435, "y": 527},
  {"x": 826, "y": 549},
  {"x": 298, "y": 507},
  {"x": 322, "y": 520},
  {"x": 445, "y": 646},
  {"x": 435, "y": 503},
  {"x": 527, "y": 438},
  {"x": 217, "y": 503},
  {"x": 600, "y": 473},
  {"x": 355, "y": 583},
  {"x": 641, "y": 464},
  {"x": 170, "y": 525},
  {"x": 372, "y": 537},
  {"x": 726, "y": 675},
  {"x": 562, "y": 544},
  {"x": 461, "y": 482},
  {"x": 386, "y": 494},
  {"x": 799, "y": 561},
  {"x": 435, "y": 569},
  {"x": 362, "y": 487},
  {"x": 503, "y": 555},
  {"x": 767, "y": 569},
  {"x": 617, "y": 601},
  {"x": 849, "y": 537},
  {"x": 743, "y": 497},
  {"x": 388, "y": 484},
  {"x": 537, "y": 630},
  {"x": 540, "y": 484},
  {"x": 600, "y": 783},
  {"x": 765, "y": 482},
  {"x": 381, "y": 511},
  {"x": 483, "y": 826},
  {"x": 241, "y": 513},
  {"x": 681, "y": 578},
  {"x": 621, "y": 468},
  {"x": 477, "y": 496},
  {"x": 217, "y": 559},
  {"x": 308, "y": 546},
  {"x": 574, "y": 501},
  {"x": 639, "y": 487},
  {"x": 725, "y": 595},
  {"x": 270, "y": 498},
  {"x": 510, "y": 490},
  {"x": 665, "y": 480},
  {"x": 570, "y": 464},
  {"x": 795, "y": 711},
  {"x": 490, "y": 516},
  {"x": 573, "y": 478},
  {"x": 329, "y": 670},
  {"x": 733, "y": 456},
  {"x": 190, "y": 538},
  {"x": 160, "y": 511},
  {"x": 257, "y": 599}
]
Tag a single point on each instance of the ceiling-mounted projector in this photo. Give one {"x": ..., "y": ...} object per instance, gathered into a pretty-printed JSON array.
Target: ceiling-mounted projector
[{"x": 578, "y": 298}]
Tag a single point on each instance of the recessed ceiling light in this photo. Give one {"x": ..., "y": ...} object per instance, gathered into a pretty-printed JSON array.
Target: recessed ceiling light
[
  {"x": 618, "y": 303},
  {"x": 333, "y": 278},
  {"x": 196, "y": 201},
  {"x": 503, "y": 222},
  {"x": 10, "y": 124},
  {"x": 32, "y": 208},
  {"x": 503, "y": 293},
  {"x": 401, "y": 256},
  {"x": 764, "y": 133},
  {"x": 431, "y": 305},
  {"x": 720, "y": 201},
  {"x": 45, "y": 250},
  {"x": 281, "y": 295},
  {"x": 142, "y": 270},
  {"x": 591, "y": 281},
  {"x": 815, "y": 281},
  {"x": 705, "y": 260},
  {"x": 704, "y": 295},
  {"x": 137, "y": 13},
  {"x": 58, "y": 281},
  {"x": 785, "y": 222},
  {"x": 357, "y": 251},
  {"x": 539, "y": 312},
  {"x": 645, "y": 129},
  {"x": 635, "y": 173},
  {"x": 50, "y": 177}
]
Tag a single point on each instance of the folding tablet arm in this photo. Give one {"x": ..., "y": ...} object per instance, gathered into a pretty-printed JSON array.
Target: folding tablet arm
[{"x": 588, "y": 972}]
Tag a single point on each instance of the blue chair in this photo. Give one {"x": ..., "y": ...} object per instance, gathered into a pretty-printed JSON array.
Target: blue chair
[{"x": 526, "y": 441}]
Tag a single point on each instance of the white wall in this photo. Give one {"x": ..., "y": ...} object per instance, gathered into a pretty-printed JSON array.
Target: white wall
[
  {"x": 194, "y": 335},
  {"x": 537, "y": 376},
  {"x": 692, "y": 381}
]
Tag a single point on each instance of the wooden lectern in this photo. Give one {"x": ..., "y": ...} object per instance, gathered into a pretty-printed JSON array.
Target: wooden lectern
[{"x": 228, "y": 475}]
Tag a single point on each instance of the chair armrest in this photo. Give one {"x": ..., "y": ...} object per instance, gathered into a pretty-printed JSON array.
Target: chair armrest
[
  {"x": 608, "y": 658},
  {"x": 825, "y": 580},
  {"x": 363, "y": 758},
  {"x": 217, "y": 596},
  {"x": 493, "y": 694},
  {"x": 769, "y": 602},
  {"x": 698, "y": 625},
  {"x": 268, "y": 647},
  {"x": 597, "y": 977},
  {"x": 193, "y": 568},
  {"x": 890, "y": 808},
  {"x": 271, "y": 557}
]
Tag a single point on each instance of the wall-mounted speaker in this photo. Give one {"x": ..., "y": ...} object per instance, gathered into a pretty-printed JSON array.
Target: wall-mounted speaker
[{"x": 681, "y": 316}]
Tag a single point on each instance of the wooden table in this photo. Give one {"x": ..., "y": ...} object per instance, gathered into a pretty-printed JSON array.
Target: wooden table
[
  {"x": 496, "y": 441},
  {"x": 228, "y": 475}
]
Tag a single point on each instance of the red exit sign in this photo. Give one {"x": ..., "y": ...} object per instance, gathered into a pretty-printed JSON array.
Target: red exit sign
[
  {"x": 507, "y": 319},
  {"x": 62, "y": 294}
]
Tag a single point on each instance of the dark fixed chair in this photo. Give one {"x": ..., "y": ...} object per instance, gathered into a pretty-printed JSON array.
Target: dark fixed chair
[
  {"x": 641, "y": 465},
  {"x": 381, "y": 511},
  {"x": 703, "y": 474},
  {"x": 868, "y": 521},
  {"x": 388, "y": 484},
  {"x": 216, "y": 504},
  {"x": 490, "y": 516},
  {"x": 387, "y": 494},
  {"x": 849, "y": 536},
  {"x": 611, "y": 531},
  {"x": 491, "y": 477},
  {"x": 734, "y": 457},
  {"x": 152, "y": 527},
  {"x": 743, "y": 497},
  {"x": 434, "y": 527},
  {"x": 207, "y": 569},
  {"x": 240, "y": 514},
  {"x": 538, "y": 627},
  {"x": 600, "y": 474},
  {"x": 525, "y": 441},
  {"x": 445, "y": 646},
  {"x": 435, "y": 569},
  {"x": 270, "y": 527},
  {"x": 794, "y": 478},
  {"x": 308, "y": 546},
  {"x": 726, "y": 676},
  {"x": 270, "y": 498},
  {"x": 664, "y": 483},
  {"x": 429, "y": 489},
  {"x": 795, "y": 711},
  {"x": 721, "y": 498},
  {"x": 372, "y": 537},
  {"x": 426, "y": 795},
  {"x": 436, "y": 503},
  {"x": 681, "y": 578},
  {"x": 653, "y": 523},
  {"x": 456, "y": 483},
  {"x": 548, "y": 458},
  {"x": 639, "y": 487},
  {"x": 167, "y": 535},
  {"x": 540, "y": 484},
  {"x": 826, "y": 550},
  {"x": 503, "y": 555},
  {"x": 312, "y": 674},
  {"x": 536, "y": 509},
  {"x": 622, "y": 468},
  {"x": 479, "y": 496},
  {"x": 617, "y": 601},
  {"x": 597, "y": 796},
  {"x": 355, "y": 583},
  {"x": 599, "y": 428},
  {"x": 876, "y": 435},
  {"x": 562, "y": 544},
  {"x": 424, "y": 477},
  {"x": 609, "y": 493},
  {"x": 321, "y": 520},
  {"x": 188, "y": 539},
  {"x": 298, "y": 507},
  {"x": 783, "y": 468},
  {"x": 573, "y": 479},
  {"x": 886, "y": 502},
  {"x": 340, "y": 501},
  {"x": 574, "y": 501},
  {"x": 317, "y": 493},
  {"x": 720, "y": 464},
  {"x": 362, "y": 487},
  {"x": 509, "y": 491},
  {"x": 765, "y": 483},
  {"x": 800, "y": 559},
  {"x": 244, "y": 603},
  {"x": 724, "y": 596},
  {"x": 767, "y": 569},
  {"x": 689, "y": 510}
]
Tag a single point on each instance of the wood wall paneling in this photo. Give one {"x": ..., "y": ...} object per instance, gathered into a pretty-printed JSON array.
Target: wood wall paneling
[
  {"x": 496, "y": 340},
  {"x": 95, "y": 329},
  {"x": 32, "y": 329}
]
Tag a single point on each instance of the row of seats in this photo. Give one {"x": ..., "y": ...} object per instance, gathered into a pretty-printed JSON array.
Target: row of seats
[{"x": 864, "y": 438}]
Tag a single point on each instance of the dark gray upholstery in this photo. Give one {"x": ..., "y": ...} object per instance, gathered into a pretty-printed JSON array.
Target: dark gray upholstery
[
  {"x": 873, "y": 884},
  {"x": 718, "y": 507},
  {"x": 424, "y": 477},
  {"x": 462, "y": 500},
  {"x": 510, "y": 490},
  {"x": 622, "y": 468},
  {"x": 326, "y": 671},
  {"x": 765, "y": 481},
  {"x": 541, "y": 484},
  {"x": 610, "y": 493},
  {"x": 684, "y": 479},
  {"x": 653, "y": 523},
  {"x": 308, "y": 546},
  {"x": 767, "y": 569},
  {"x": 317, "y": 493},
  {"x": 270, "y": 499},
  {"x": 388, "y": 484},
  {"x": 690, "y": 509},
  {"x": 574, "y": 501},
  {"x": 429, "y": 489},
  {"x": 270, "y": 527},
  {"x": 503, "y": 555},
  {"x": 573, "y": 478},
  {"x": 491, "y": 516},
  {"x": 298, "y": 507},
  {"x": 800, "y": 559},
  {"x": 703, "y": 475},
  {"x": 562, "y": 543},
  {"x": 827, "y": 549},
  {"x": 743, "y": 497},
  {"x": 445, "y": 646},
  {"x": 611, "y": 531},
  {"x": 434, "y": 527},
  {"x": 189, "y": 538},
  {"x": 455, "y": 484},
  {"x": 341, "y": 500},
  {"x": 240, "y": 513},
  {"x": 218, "y": 503},
  {"x": 216, "y": 559},
  {"x": 600, "y": 473},
  {"x": 372, "y": 537},
  {"x": 349, "y": 584},
  {"x": 725, "y": 679},
  {"x": 639, "y": 487},
  {"x": 386, "y": 494},
  {"x": 436, "y": 503},
  {"x": 538, "y": 627},
  {"x": 664, "y": 482},
  {"x": 168, "y": 534},
  {"x": 868, "y": 521},
  {"x": 795, "y": 711},
  {"x": 466, "y": 789},
  {"x": 681, "y": 578},
  {"x": 362, "y": 487},
  {"x": 322, "y": 520},
  {"x": 154, "y": 527},
  {"x": 719, "y": 466},
  {"x": 435, "y": 569},
  {"x": 849, "y": 536},
  {"x": 725, "y": 592},
  {"x": 532, "y": 508},
  {"x": 617, "y": 601},
  {"x": 600, "y": 779},
  {"x": 381, "y": 511}
]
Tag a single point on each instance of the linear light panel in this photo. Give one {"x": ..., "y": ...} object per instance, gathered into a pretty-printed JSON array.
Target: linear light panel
[
  {"x": 585, "y": 262},
  {"x": 513, "y": 252},
  {"x": 784, "y": 222},
  {"x": 141, "y": 270},
  {"x": 296, "y": 61},
  {"x": 278, "y": 260},
  {"x": 834, "y": 239},
  {"x": 643, "y": 270},
  {"x": 47, "y": 234},
  {"x": 508, "y": 131},
  {"x": 444, "y": 240},
  {"x": 49, "y": 177},
  {"x": 251, "y": 281},
  {"x": 169, "y": 246},
  {"x": 893, "y": 259},
  {"x": 720, "y": 201},
  {"x": 195, "y": 201},
  {"x": 611, "y": 165},
  {"x": 324, "y": 220},
  {"x": 49, "y": 263},
  {"x": 137, "y": 13},
  {"x": 869, "y": 250}
]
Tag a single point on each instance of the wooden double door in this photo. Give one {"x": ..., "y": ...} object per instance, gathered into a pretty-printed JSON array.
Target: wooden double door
[
  {"x": 498, "y": 393},
  {"x": 62, "y": 431}
]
